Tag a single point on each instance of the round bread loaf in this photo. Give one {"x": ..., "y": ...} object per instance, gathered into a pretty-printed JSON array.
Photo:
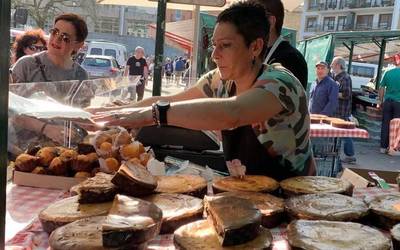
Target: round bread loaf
[
  {"x": 395, "y": 232},
  {"x": 182, "y": 184},
  {"x": 249, "y": 183},
  {"x": 326, "y": 206},
  {"x": 315, "y": 184},
  {"x": 385, "y": 210},
  {"x": 306, "y": 234}
]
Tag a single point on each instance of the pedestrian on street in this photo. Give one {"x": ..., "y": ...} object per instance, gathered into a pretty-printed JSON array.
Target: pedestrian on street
[{"x": 137, "y": 66}]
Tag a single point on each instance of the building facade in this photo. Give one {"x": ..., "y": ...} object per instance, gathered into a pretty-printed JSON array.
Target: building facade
[{"x": 322, "y": 16}]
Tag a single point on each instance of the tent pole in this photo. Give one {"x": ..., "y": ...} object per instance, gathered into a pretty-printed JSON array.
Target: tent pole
[
  {"x": 195, "y": 47},
  {"x": 5, "y": 9},
  {"x": 159, "y": 50},
  {"x": 350, "y": 57},
  {"x": 380, "y": 64}
]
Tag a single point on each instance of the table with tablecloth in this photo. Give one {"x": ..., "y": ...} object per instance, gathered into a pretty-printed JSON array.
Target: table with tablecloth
[
  {"x": 325, "y": 141},
  {"x": 24, "y": 231},
  {"x": 394, "y": 135}
]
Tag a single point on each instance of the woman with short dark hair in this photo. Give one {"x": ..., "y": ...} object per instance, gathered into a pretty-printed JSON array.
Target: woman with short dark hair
[{"x": 28, "y": 43}]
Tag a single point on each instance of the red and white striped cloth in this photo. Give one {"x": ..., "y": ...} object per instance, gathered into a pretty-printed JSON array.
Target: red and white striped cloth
[
  {"x": 394, "y": 135},
  {"x": 326, "y": 130},
  {"x": 27, "y": 202}
]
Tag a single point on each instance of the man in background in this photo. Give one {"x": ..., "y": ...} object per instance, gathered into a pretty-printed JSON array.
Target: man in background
[
  {"x": 343, "y": 110},
  {"x": 324, "y": 92},
  {"x": 279, "y": 50},
  {"x": 389, "y": 102},
  {"x": 137, "y": 66}
]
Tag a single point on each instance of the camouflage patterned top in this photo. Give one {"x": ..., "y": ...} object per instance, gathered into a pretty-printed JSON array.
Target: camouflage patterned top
[{"x": 287, "y": 135}]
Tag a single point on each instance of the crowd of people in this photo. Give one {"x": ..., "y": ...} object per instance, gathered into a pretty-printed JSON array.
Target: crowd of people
[{"x": 256, "y": 96}]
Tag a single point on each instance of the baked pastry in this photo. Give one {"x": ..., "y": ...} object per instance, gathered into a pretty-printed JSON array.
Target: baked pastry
[
  {"x": 177, "y": 210},
  {"x": 144, "y": 158},
  {"x": 134, "y": 180},
  {"x": 123, "y": 138},
  {"x": 68, "y": 210},
  {"x": 84, "y": 234},
  {"x": 315, "y": 184},
  {"x": 182, "y": 184},
  {"x": 26, "y": 162},
  {"x": 109, "y": 165},
  {"x": 236, "y": 220},
  {"x": 68, "y": 155},
  {"x": 329, "y": 120},
  {"x": 46, "y": 155},
  {"x": 332, "y": 235},
  {"x": 85, "y": 148},
  {"x": 343, "y": 124},
  {"x": 39, "y": 170},
  {"x": 130, "y": 221},
  {"x": 385, "y": 210},
  {"x": 272, "y": 208},
  {"x": 58, "y": 167},
  {"x": 249, "y": 183},
  {"x": 130, "y": 151},
  {"x": 97, "y": 189},
  {"x": 317, "y": 118},
  {"x": 200, "y": 235},
  {"x": 82, "y": 174},
  {"x": 395, "y": 232},
  {"x": 82, "y": 163},
  {"x": 326, "y": 206}
]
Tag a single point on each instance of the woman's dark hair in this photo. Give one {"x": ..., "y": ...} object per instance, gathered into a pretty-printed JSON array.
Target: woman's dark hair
[
  {"x": 77, "y": 21},
  {"x": 250, "y": 21},
  {"x": 274, "y": 8},
  {"x": 27, "y": 39}
]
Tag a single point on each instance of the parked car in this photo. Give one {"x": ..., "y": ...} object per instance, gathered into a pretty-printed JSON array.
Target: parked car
[
  {"x": 101, "y": 66},
  {"x": 118, "y": 51}
]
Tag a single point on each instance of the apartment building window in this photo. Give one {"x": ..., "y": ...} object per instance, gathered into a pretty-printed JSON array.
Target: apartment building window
[
  {"x": 341, "y": 23},
  {"x": 385, "y": 21},
  {"x": 364, "y": 22},
  {"x": 107, "y": 25},
  {"x": 311, "y": 24},
  {"x": 331, "y": 4},
  {"x": 313, "y": 4},
  {"x": 365, "y": 3},
  {"x": 329, "y": 23}
]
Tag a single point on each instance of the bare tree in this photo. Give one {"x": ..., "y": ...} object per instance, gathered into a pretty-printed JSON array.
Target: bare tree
[{"x": 43, "y": 10}]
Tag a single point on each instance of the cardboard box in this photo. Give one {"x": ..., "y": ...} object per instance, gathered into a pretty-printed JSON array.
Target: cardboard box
[
  {"x": 360, "y": 178},
  {"x": 45, "y": 181}
]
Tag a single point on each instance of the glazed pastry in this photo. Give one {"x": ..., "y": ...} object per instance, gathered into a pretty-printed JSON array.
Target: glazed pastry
[
  {"x": 26, "y": 162},
  {"x": 123, "y": 138},
  {"x": 101, "y": 138},
  {"x": 272, "y": 208},
  {"x": 326, "y": 206},
  {"x": 236, "y": 220},
  {"x": 315, "y": 184},
  {"x": 46, "y": 155},
  {"x": 134, "y": 180},
  {"x": 68, "y": 210},
  {"x": 177, "y": 210},
  {"x": 182, "y": 184},
  {"x": 109, "y": 165},
  {"x": 201, "y": 235},
  {"x": 130, "y": 221},
  {"x": 130, "y": 151},
  {"x": 249, "y": 183},
  {"x": 330, "y": 235}
]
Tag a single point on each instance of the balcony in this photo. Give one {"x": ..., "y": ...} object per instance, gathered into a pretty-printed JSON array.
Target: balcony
[
  {"x": 358, "y": 27},
  {"x": 348, "y": 4}
]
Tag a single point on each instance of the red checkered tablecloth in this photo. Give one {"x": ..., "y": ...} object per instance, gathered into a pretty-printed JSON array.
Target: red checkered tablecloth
[
  {"x": 24, "y": 204},
  {"x": 394, "y": 135},
  {"x": 326, "y": 130}
]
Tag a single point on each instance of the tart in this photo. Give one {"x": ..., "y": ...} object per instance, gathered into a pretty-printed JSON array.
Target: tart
[
  {"x": 182, "y": 184},
  {"x": 315, "y": 184},
  {"x": 326, "y": 206},
  {"x": 84, "y": 234},
  {"x": 134, "y": 180},
  {"x": 235, "y": 220},
  {"x": 249, "y": 183},
  {"x": 335, "y": 235},
  {"x": 395, "y": 232},
  {"x": 97, "y": 189},
  {"x": 68, "y": 210},
  {"x": 177, "y": 210},
  {"x": 272, "y": 208},
  {"x": 385, "y": 210},
  {"x": 130, "y": 221},
  {"x": 200, "y": 235}
]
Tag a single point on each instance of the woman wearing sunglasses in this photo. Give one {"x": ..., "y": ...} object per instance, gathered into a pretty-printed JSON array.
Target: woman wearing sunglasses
[
  {"x": 29, "y": 43},
  {"x": 55, "y": 64}
]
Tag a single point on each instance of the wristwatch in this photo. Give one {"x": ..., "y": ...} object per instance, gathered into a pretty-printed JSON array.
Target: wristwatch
[{"x": 162, "y": 107}]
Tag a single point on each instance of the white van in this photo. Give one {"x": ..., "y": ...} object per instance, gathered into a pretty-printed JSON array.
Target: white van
[
  {"x": 362, "y": 73},
  {"x": 118, "y": 51}
]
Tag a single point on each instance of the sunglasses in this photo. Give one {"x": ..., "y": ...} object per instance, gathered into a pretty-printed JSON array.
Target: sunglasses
[
  {"x": 36, "y": 48},
  {"x": 60, "y": 36}
]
